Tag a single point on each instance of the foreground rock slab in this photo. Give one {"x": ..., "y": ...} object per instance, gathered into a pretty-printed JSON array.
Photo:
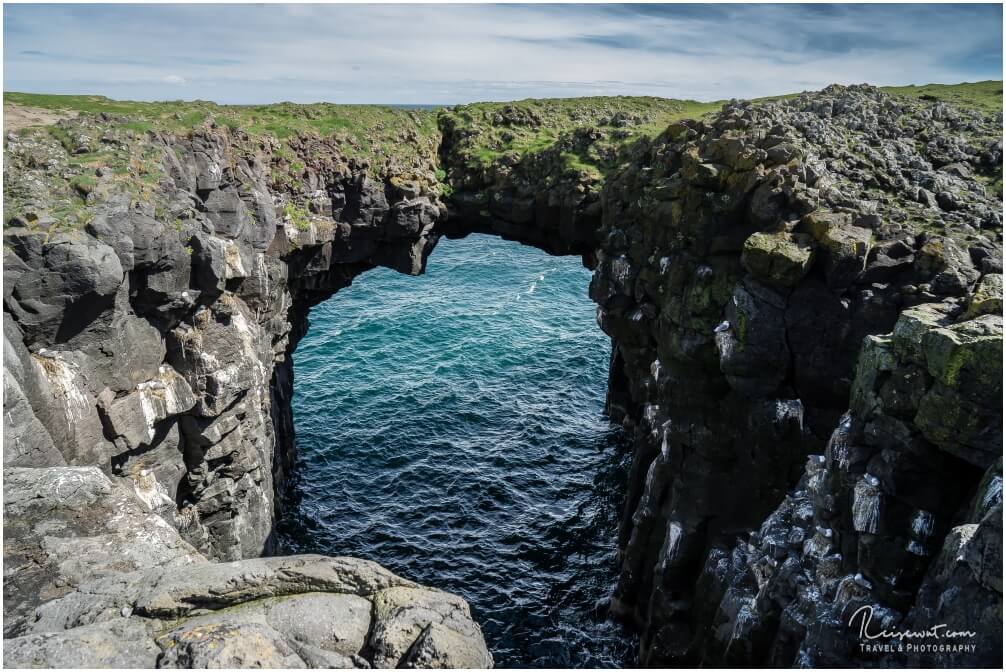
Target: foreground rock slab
[{"x": 93, "y": 579}]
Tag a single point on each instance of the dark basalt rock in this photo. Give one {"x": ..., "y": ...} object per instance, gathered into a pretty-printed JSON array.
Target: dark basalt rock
[
  {"x": 806, "y": 326},
  {"x": 782, "y": 330}
]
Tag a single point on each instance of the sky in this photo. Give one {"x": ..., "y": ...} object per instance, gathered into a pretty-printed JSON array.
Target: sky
[{"x": 448, "y": 54}]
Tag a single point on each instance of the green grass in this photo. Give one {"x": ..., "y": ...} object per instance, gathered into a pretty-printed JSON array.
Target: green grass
[
  {"x": 986, "y": 97},
  {"x": 582, "y": 137},
  {"x": 533, "y": 126},
  {"x": 61, "y": 135},
  {"x": 373, "y": 132},
  {"x": 298, "y": 216},
  {"x": 84, "y": 184}
]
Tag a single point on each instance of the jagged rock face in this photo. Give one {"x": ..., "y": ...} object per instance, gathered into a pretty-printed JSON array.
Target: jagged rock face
[
  {"x": 154, "y": 345},
  {"x": 804, "y": 300},
  {"x": 746, "y": 266},
  {"x": 148, "y": 342}
]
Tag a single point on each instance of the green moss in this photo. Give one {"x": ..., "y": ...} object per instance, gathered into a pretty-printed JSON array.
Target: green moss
[
  {"x": 780, "y": 259},
  {"x": 967, "y": 355},
  {"x": 63, "y": 137},
  {"x": 953, "y": 365},
  {"x": 297, "y": 216},
  {"x": 84, "y": 184}
]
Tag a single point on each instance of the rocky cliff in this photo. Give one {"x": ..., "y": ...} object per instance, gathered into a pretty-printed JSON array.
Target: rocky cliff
[
  {"x": 804, "y": 300},
  {"x": 147, "y": 385}
]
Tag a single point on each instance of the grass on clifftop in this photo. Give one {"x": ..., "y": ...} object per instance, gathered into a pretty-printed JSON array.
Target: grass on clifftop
[
  {"x": 582, "y": 138},
  {"x": 986, "y": 97},
  {"x": 487, "y": 132},
  {"x": 373, "y": 132}
]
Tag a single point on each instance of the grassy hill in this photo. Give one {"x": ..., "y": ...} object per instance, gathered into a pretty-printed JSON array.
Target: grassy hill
[{"x": 987, "y": 96}]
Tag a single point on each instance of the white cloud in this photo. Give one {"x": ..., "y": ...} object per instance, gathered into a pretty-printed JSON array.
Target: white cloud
[{"x": 459, "y": 53}]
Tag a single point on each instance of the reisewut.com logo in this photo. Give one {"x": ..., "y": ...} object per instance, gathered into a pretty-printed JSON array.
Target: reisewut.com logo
[{"x": 937, "y": 639}]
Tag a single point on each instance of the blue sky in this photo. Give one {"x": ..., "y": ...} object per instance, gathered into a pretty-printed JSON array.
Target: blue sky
[{"x": 460, "y": 53}]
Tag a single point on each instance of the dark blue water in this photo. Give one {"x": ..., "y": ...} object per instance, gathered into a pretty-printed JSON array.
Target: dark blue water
[{"x": 451, "y": 428}]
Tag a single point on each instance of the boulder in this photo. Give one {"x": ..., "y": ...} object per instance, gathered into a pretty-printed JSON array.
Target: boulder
[
  {"x": 948, "y": 267},
  {"x": 119, "y": 644},
  {"x": 71, "y": 280},
  {"x": 967, "y": 356},
  {"x": 114, "y": 227},
  {"x": 227, "y": 212},
  {"x": 133, "y": 418},
  {"x": 781, "y": 259},
  {"x": 914, "y": 323},
  {"x": 438, "y": 622},
  {"x": 844, "y": 247},
  {"x": 66, "y": 526},
  {"x": 988, "y": 296}
]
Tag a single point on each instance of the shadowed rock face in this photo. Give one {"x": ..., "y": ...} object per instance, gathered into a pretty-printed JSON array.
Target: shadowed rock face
[
  {"x": 805, "y": 305},
  {"x": 784, "y": 311}
]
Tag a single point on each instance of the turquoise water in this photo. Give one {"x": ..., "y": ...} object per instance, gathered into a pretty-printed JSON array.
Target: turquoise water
[{"x": 451, "y": 427}]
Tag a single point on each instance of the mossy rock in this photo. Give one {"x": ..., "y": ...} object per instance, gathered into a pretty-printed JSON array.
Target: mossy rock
[
  {"x": 988, "y": 296},
  {"x": 967, "y": 356},
  {"x": 845, "y": 246},
  {"x": 781, "y": 259},
  {"x": 702, "y": 173},
  {"x": 912, "y": 325},
  {"x": 960, "y": 427},
  {"x": 875, "y": 357},
  {"x": 947, "y": 264},
  {"x": 819, "y": 222}
]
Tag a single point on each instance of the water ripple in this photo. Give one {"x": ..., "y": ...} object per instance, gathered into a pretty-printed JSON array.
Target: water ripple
[{"x": 450, "y": 427}]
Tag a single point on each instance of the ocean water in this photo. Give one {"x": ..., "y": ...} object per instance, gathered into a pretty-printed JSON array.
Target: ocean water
[{"x": 451, "y": 427}]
